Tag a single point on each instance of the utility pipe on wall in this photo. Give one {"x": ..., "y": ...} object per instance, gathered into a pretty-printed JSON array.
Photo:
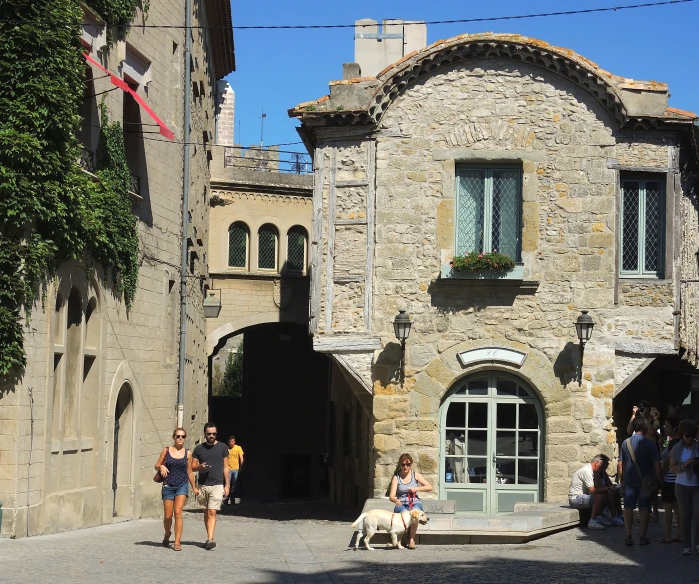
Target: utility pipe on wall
[{"x": 185, "y": 208}]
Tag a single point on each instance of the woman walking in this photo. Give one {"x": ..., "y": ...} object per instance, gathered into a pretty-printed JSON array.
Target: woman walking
[
  {"x": 405, "y": 485},
  {"x": 175, "y": 466},
  {"x": 668, "y": 489},
  {"x": 683, "y": 458}
]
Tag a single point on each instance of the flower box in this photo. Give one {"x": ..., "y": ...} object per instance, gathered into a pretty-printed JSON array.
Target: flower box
[{"x": 516, "y": 273}]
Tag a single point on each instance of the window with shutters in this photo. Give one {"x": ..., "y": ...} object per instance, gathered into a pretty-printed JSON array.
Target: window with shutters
[
  {"x": 488, "y": 210},
  {"x": 642, "y": 228}
]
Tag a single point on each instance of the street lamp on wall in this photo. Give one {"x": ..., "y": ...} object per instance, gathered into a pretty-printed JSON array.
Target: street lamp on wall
[
  {"x": 583, "y": 327},
  {"x": 401, "y": 328}
]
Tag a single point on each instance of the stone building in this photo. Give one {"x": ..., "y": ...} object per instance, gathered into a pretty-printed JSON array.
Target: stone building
[
  {"x": 259, "y": 226},
  {"x": 83, "y": 426},
  {"x": 500, "y": 142}
]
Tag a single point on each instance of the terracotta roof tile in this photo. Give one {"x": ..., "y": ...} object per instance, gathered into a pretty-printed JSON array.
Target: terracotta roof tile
[{"x": 681, "y": 112}]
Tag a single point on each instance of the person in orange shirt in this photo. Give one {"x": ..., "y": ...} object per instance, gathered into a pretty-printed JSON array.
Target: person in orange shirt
[{"x": 236, "y": 456}]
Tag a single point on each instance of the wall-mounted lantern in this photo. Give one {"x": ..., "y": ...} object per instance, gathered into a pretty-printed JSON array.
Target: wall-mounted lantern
[
  {"x": 583, "y": 327},
  {"x": 212, "y": 303},
  {"x": 401, "y": 328}
]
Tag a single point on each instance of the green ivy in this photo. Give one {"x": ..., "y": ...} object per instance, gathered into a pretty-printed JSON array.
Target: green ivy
[
  {"x": 51, "y": 211},
  {"x": 117, "y": 13},
  {"x": 477, "y": 261}
]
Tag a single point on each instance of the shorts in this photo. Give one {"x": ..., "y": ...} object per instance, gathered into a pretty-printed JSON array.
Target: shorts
[
  {"x": 401, "y": 508},
  {"x": 580, "y": 501},
  {"x": 211, "y": 496},
  {"x": 169, "y": 493},
  {"x": 633, "y": 496},
  {"x": 668, "y": 492}
]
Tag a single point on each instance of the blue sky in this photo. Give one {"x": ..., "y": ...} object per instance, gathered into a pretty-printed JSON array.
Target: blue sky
[{"x": 276, "y": 69}]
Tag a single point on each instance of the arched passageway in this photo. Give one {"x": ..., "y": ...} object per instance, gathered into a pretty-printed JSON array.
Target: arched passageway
[
  {"x": 122, "y": 480},
  {"x": 280, "y": 415}
]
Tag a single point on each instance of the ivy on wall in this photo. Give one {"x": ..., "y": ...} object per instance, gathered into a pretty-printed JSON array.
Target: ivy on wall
[
  {"x": 51, "y": 211},
  {"x": 117, "y": 13}
]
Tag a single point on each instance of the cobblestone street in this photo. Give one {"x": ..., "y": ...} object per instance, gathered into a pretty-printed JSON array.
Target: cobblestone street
[{"x": 254, "y": 547}]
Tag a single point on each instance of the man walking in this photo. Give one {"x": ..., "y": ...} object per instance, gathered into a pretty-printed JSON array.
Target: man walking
[
  {"x": 236, "y": 456},
  {"x": 648, "y": 463},
  {"x": 210, "y": 459}
]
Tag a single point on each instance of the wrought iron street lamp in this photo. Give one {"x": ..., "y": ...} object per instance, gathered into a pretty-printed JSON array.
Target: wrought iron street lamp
[
  {"x": 583, "y": 327},
  {"x": 401, "y": 328}
]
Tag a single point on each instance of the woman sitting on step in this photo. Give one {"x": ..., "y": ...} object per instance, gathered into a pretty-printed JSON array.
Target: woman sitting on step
[{"x": 405, "y": 486}]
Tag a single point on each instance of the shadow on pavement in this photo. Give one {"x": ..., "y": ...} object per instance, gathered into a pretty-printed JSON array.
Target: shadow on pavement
[{"x": 288, "y": 511}]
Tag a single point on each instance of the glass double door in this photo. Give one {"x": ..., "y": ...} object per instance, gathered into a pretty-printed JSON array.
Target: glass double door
[{"x": 491, "y": 445}]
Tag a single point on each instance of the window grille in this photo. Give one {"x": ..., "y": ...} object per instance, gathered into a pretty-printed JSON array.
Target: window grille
[
  {"x": 642, "y": 232},
  {"x": 237, "y": 246},
  {"x": 488, "y": 211},
  {"x": 267, "y": 248},
  {"x": 296, "y": 257}
]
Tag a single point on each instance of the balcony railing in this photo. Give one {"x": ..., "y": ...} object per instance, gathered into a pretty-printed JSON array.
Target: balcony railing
[
  {"x": 267, "y": 160},
  {"x": 135, "y": 185},
  {"x": 87, "y": 160}
]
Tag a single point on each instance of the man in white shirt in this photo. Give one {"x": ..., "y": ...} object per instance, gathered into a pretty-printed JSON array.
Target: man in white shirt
[{"x": 583, "y": 493}]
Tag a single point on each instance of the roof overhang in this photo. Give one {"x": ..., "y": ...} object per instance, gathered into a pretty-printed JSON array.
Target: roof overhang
[{"x": 218, "y": 17}]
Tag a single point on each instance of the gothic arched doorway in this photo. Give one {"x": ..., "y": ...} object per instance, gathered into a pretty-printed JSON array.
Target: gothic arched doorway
[
  {"x": 121, "y": 459},
  {"x": 491, "y": 444}
]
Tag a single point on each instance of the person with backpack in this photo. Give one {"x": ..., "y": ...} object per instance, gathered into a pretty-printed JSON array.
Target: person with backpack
[{"x": 638, "y": 472}]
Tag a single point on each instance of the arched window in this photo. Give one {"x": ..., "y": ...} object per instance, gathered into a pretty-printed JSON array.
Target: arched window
[
  {"x": 238, "y": 245},
  {"x": 296, "y": 254},
  {"x": 267, "y": 248}
]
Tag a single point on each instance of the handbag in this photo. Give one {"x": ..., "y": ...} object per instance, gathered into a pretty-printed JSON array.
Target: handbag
[
  {"x": 158, "y": 478},
  {"x": 649, "y": 484}
]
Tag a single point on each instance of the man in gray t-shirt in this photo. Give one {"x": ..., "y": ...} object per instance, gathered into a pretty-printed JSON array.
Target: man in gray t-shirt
[{"x": 210, "y": 459}]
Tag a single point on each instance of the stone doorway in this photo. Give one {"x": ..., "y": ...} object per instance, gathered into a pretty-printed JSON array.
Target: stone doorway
[{"x": 122, "y": 488}]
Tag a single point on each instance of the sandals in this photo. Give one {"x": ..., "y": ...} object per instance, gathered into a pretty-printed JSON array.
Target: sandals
[
  {"x": 643, "y": 541},
  {"x": 166, "y": 540},
  {"x": 411, "y": 545},
  {"x": 628, "y": 541},
  {"x": 666, "y": 540},
  {"x": 177, "y": 547}
]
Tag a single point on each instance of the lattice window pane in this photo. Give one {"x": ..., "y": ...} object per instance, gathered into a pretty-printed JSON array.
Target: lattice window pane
[
  {"x": 296, "y": 240},
  {"x": 653, "y": 226},
  {"x": 267, "y": 249},
  {"x": 629, "y": 244},
  {"x": 506, "y": 225},
  {"x": 470, "y": 203},
  {"x": 237, "y": 246}
]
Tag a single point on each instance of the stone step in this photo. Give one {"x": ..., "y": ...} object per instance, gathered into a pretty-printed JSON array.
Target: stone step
[{"x": 528, "y": 522}]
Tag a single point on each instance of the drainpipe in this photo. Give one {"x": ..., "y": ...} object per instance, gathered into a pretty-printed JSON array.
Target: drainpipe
[{"x": 185, "y": 207}]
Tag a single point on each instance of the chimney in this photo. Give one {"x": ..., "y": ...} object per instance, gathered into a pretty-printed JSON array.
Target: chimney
[{"x": 378, "y": 46}]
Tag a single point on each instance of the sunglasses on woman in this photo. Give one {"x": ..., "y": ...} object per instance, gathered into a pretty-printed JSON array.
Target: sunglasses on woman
[
  {"x": 406, "y": 464},
  {"x": 180, "y": 436}
]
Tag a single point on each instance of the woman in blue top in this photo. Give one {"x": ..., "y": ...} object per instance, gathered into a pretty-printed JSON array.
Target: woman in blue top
[
  {"x": 404, "y": 488},
  {"x": 175, "y": 466}
]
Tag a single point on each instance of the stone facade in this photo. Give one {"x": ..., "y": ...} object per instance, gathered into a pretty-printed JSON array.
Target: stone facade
[
  {"x": 83, "y": 425},
  {"x": 386, "y": 152}
]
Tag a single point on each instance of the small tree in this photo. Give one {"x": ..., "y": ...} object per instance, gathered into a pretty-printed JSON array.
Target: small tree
[
  {"x": 233, "y": 376},
  {"x": 216, "y": 380}
]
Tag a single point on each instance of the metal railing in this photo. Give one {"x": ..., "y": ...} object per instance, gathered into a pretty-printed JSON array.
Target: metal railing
[
  {"x": 87, "y": 160},
  {"x": 267, "y": 160}
]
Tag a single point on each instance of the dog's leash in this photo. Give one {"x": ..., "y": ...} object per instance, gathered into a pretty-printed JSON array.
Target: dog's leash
[{"x": 411, "y": 500}]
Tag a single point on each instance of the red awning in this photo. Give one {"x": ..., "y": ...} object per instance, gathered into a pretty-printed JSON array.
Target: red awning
[{"x": 121, "y": 84}]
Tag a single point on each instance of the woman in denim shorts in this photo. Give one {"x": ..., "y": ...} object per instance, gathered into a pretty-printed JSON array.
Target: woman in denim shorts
[
  {"x": 175, "y": 466},
  {"x": 404, "y": 488}
]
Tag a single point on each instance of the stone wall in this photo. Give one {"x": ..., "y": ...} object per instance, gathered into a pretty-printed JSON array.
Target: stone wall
[
  {"x": 571, "y": 154},
  {"x": 57, "y": 431}
]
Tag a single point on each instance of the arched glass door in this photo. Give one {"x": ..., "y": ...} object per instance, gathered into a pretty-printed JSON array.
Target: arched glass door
[{"x": 491, "y": 444}]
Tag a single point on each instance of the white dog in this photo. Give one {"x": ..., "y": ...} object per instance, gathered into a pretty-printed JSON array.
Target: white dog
[{"x": 396, "y": 524}]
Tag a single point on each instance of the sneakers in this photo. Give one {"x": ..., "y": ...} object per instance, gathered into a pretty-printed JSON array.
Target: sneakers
[
  {"x": 686, "y": 552},
  {"x": 210, "y": 544},
  {"x": 594, "y": 524},
  {"x": 618, "y": 521},
  {"x": 604, "y": 521}
]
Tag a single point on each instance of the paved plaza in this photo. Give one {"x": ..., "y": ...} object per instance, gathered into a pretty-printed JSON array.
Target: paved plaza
[{"x": 281, "y": 544}]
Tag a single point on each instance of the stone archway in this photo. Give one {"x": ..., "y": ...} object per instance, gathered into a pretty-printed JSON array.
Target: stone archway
[{"x": 122, "y": 450}]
